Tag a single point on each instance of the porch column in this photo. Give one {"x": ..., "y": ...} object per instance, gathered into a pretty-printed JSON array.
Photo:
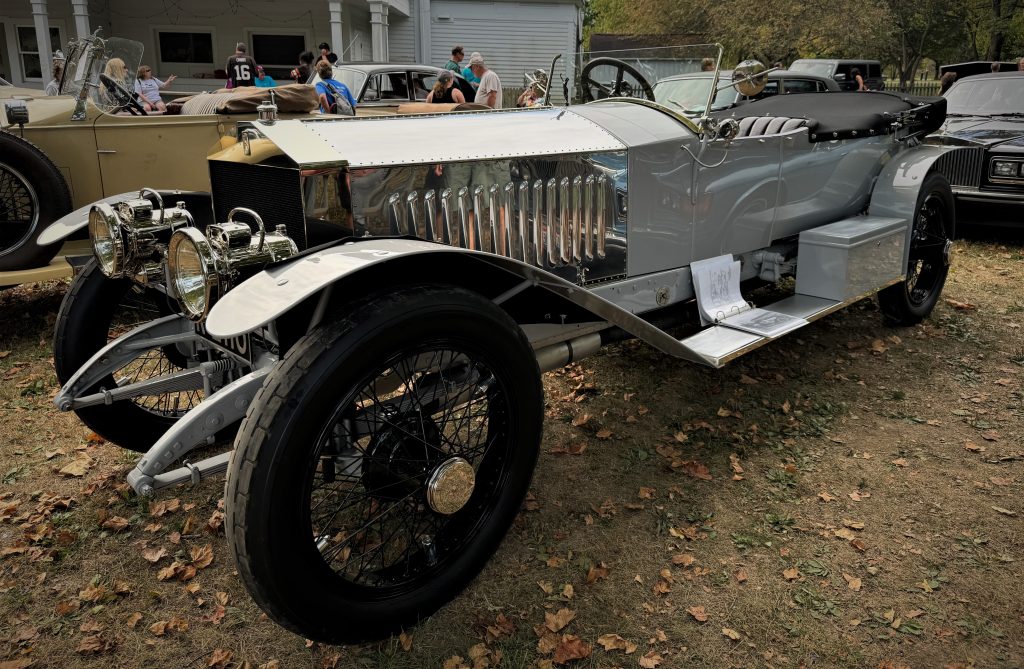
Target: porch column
[
  {"x": 424, "y": 31},
  {"x": 80, "y": 8},
  {"x": 334, "y": 8},
  {"x": 379, "y": 30},
  {"x": 42, "y": 21}
]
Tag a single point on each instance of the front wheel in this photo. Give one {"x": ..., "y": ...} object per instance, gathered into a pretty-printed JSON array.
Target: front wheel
[
  {"x": 95, "y": 310},
  {"x": 383, "y": 461},
  {"x": 33, "y": 194},
  {"x": 912, "y": 300}
]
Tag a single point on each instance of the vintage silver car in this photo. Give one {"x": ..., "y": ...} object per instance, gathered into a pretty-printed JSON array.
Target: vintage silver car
[{"x": 375, "y": 301}]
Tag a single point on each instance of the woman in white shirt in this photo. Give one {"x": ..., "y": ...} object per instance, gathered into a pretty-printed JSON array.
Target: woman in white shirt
[{"x": 148, "y": 87}]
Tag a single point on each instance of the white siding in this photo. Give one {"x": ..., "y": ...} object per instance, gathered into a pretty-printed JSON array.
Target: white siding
[
  {"x": 514, "y": 37},
  {"x": 401, "y": 39}
]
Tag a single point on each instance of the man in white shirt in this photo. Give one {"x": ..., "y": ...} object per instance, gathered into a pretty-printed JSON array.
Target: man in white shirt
[{"x": 489, "y": 92}]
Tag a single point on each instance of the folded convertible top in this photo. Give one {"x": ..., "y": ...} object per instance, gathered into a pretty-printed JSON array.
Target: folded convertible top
[{"x": 846, "y": 115}]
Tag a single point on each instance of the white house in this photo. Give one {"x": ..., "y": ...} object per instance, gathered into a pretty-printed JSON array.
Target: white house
[{"x": 193, "y": 38}]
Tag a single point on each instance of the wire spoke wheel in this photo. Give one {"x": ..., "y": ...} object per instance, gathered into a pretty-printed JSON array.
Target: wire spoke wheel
[
  {"x": 401, "y": 477},
  {"x": 383, "y": 461},
  {"x": 927, "y": 251},
  {"x": 19, "y": 208},
  {"x": 97, "y": 310}
]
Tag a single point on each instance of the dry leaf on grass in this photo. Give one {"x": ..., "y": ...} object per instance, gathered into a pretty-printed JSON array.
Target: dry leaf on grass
[
  {"x": 731, "y": 633},
  {"x": 202, "y": 556},
  {"x": 612, "y": 642},
  {"x": 697, "y": 470},
  {"x": 603, "y": 434},
  {"x": 845, "y": 533},
  {"x": 596, "y": 573},
  {"x": 94, "y": 644},
  {"x": 405, "y": 640},
  {"x": 698, "y": 613},
  {"x": 556, "y": 621},
  {"x": 115, "y": 524},
  {"x": 741, "y": 575},
  {"x": 651, "y": 660},
  {"x": 571, "y": 648},
  {"x": 1005, "y": 512},
  {"x": 791, "y": 574},
  {"x": 683, "y": 559},
  {"x": 852, "y": 582},
  {"x": 76, "y": 468},
  {"x": 220, "y": 658},
  {"x": 133, "y": 620},
  {"x": 154, "y": 555}
]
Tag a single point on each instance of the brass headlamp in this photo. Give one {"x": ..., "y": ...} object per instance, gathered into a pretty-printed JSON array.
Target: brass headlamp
[{"x": 128, "y": 237}]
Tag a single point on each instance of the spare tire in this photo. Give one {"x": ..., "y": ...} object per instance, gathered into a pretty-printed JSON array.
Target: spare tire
[{"x": 33, "y": 194}]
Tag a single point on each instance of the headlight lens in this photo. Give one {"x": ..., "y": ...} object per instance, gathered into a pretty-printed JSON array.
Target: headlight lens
[
  {"x": 1005, "y": 168},
  {"x": 192, "y": 272},
  {"x": 107, "y": 242}
]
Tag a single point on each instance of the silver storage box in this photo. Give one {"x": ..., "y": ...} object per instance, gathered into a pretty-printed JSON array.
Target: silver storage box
[{"x": 850, "y": 258}]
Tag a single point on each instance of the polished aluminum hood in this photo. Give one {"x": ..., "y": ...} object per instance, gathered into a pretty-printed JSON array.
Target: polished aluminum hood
[{"x": 430, "y": 138}]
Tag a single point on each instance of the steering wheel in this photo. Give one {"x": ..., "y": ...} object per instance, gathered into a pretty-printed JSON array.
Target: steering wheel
[
  {"x": 123, "y": 98},
  {"x": 595, "y": 90}
]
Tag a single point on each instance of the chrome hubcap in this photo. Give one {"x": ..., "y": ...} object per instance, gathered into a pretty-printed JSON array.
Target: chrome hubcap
[{"x": 450, "y": 486}]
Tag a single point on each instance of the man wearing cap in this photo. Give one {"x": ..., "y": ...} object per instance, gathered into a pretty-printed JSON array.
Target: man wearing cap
[
  {"x": 467, "y": 72},
  {"x": 453, "y": 62},
  {"x": 489, "y": 91},
  {"x": 241, "y": 68}
]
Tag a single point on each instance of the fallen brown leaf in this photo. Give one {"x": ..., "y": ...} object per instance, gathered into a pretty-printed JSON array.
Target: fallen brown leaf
[
  {"x": 731, "y": 633},
  {"x": 852, "y": 582},
  {"x": 571, "y": 648},
  {"x": 612, "y": 642},
  {"x": 556, "y": 621},
  {"x": 698, "y": 613},
  {"x": 791, "y": 574},
  {"x": 202, "y": 556},
  {"x": 651, "y": 660},
  {"x": 220, "y": 658}
]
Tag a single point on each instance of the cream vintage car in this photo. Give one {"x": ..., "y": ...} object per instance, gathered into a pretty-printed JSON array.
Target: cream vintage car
[{"x": 93, "y": 141}]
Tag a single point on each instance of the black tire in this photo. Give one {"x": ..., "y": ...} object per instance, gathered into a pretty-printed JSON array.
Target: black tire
[
  {"x": 589, "y": 84},
  {"x": 913, "y": 299},
  {"x": 33, "y": 194},
  {"x": 307, "y": 405},
  {"x": 95, "y": 310}
]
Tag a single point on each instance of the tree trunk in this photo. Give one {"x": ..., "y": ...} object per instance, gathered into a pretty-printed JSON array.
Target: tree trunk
[{"x": 995, "y": 44}]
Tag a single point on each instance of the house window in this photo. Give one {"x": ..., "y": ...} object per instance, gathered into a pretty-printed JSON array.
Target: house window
[
  {"x": 278, "y": 54},
  {"x": 185, "y": 47},
  {"x": 28, "y": 51}
]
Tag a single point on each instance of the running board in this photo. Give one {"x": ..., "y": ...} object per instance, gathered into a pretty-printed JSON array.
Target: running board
[{"x": 720, "y": 344}]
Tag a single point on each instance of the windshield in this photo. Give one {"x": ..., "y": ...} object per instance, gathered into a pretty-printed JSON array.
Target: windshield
[
  {"x": 636, "y": 72},
  {"x": 101, "y": 66},
  {"x": 690, "y": 94},
  {"x": 818, "y": 68},
  {"x": 1003, "y": 95},
  {"x": 353, "y": 79}
]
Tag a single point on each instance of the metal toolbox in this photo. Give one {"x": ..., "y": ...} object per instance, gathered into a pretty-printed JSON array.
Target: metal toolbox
[{"x": 850, "y": 258}]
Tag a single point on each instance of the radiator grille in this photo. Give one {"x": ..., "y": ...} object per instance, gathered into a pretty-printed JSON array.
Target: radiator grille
[
  {"x": 963, "y": 167},
  {"x": 275, "y": 193}
]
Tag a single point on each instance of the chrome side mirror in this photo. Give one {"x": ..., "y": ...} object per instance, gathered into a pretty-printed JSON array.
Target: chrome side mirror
[{"x": 749, "y": 78}]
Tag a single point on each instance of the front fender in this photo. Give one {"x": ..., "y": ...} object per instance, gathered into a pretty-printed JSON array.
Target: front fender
[
  {"x": 275, "y": 291},
  {"x": 899, "y": 182},
  {"x": 69, "y": 224}
]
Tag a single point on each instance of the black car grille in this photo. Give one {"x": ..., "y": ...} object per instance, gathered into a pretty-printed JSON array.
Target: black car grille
[
  {"x": 963, "y": 167},
  {"x": 275, "y": 193}
]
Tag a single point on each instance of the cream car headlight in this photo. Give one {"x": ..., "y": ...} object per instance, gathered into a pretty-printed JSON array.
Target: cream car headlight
[
  {"x": 192, "y": 272},
  {"x": 107, "y": 241}
]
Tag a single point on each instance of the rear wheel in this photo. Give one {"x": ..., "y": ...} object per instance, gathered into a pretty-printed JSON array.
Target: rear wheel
[
  {"x": 95, "y": 310},
  {"x": 913, "y": 299},
  {"x": 383, "y": 461},
  {"x": 33, "y": 194}
]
